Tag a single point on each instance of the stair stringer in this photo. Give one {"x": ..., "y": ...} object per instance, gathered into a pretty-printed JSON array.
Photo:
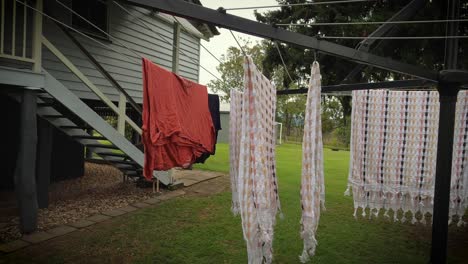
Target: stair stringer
[{"x": 73, "y": 103}]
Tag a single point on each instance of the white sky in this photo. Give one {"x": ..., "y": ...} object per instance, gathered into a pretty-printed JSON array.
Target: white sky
[{"x": 219, "y": 44}]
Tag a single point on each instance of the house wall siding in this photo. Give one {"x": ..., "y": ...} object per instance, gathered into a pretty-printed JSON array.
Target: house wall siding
[{"x": 122, "y": 64}]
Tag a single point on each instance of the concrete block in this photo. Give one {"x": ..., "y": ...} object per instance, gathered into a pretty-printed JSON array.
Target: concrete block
[
  {"x": 81, "y": 223},
  {"x": 61, "y": 230},
  {"x": 141, "y": 205},
  {"x": 113, "y": 212},
  {"x": 98, "y": 218},
  {"x": 13, "y": 246},
  {"x": 128, "y": 208},
  {"x": 37, "y": 237}
]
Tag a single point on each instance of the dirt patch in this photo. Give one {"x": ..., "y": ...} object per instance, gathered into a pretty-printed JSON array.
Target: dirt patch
[{"x": 100, "y": 189}]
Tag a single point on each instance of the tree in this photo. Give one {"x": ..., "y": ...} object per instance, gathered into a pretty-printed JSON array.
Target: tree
[
  {"x": 231, "y": 68},
  {"x": 290, "y": 109},
  {"x": 424, "y": 52}
]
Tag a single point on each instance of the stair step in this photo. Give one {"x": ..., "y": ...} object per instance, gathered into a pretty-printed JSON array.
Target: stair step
[
  {"x": 127, "y": 170},
  {"x": 45, "y": 104},
  {"x": 112, "y": 154},
  {"x": 54, "y": 116},
  {"x": 96, "y": 160},
  {"x": 101, "y": 146},
  {"x": 124, "y": 162},
  {"x": 75, "y": 127},
  {"x": 89, "y": 137}
]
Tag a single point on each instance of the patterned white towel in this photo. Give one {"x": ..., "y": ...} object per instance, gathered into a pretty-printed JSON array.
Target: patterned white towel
[
  {"x": 394, "y": 152},
  {"x": 235, "y": 117},
  {"x": 257, "y": 185},
  {"x": 312, "y": 185}
]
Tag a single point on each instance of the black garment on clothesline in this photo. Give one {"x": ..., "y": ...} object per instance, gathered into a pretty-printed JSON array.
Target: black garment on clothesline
[{"x": 213, "y": 105}]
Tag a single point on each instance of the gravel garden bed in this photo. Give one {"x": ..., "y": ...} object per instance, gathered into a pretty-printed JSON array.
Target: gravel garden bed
[{"x": 100, "y": 189}]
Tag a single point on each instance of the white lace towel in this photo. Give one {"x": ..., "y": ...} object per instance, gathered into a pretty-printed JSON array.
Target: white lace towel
[
  {"x": 394, "y": 153},
  {"x": 257, "y": 186},
  {"x": 312, "y": 184},
  {"x": 235, "y": 117}
]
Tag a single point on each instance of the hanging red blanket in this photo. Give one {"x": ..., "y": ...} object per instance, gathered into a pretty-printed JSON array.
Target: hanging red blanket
[{"x": 177, "y": 126}]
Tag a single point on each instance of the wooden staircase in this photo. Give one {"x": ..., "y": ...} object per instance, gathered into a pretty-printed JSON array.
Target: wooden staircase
[{"x": 109, "y": 145}]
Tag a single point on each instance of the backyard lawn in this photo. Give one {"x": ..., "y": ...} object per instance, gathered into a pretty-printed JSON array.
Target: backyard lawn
[{"x": 203, "y": 230}]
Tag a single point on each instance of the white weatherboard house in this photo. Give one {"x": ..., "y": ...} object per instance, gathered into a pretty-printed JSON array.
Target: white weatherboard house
[{"x": 71, "y": 82}]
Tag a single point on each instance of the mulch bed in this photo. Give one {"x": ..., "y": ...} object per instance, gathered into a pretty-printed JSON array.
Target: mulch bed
[{"x": 100, "y": 189}]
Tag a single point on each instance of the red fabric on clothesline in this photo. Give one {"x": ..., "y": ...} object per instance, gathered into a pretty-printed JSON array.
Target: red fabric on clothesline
[{"x": 177, "y": 126}]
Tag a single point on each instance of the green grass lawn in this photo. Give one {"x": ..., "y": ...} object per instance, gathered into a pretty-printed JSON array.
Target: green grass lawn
[{"x": 202, "y": 229}]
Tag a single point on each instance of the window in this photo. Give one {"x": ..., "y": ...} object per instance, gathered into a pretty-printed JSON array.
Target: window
[{"x": 95, "y": 11}]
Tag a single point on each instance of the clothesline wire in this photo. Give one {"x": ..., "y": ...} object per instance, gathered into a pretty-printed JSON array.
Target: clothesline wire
[
  {"x": 203, "y": 46},
  {"x": 162, "y": 37},
  {"x": 299, "y": 4},
  {"x": 395, "y": 38},
  {"x": 446, "y": 33},
  {"x": 372, "y": 22},
  {"x": 282, "y": 60},
  {"x": 98, "y": 28},
  {"x": 77, "y": 31},
  {"x": 241, "y": 48}
]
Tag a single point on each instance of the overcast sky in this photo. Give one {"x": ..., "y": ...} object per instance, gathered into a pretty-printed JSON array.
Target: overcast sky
[{"x": 219, "y": 44}]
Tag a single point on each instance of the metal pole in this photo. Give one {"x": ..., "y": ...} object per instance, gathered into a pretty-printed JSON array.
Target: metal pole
[
  {"x": 448, "y": 99},
  {"x": 448, "y": 90}
]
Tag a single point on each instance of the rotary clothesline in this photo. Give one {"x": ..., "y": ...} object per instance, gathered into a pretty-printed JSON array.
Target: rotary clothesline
[{"x": 392, "y": 165}]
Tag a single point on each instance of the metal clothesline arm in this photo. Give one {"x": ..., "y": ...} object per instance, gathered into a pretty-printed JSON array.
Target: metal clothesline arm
[
  {"x": 192, "y": 11},
  {"x": 368, "y": 45}
]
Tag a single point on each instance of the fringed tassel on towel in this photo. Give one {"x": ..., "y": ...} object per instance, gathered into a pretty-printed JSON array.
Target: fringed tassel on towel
[
  {"x": 235, "y": 208},
  {"x": 390, "y": 167},
  {"x": 310, "y": 243},
  {"x": 309, "y": 250},
  {"x": 348, "y": 191}
]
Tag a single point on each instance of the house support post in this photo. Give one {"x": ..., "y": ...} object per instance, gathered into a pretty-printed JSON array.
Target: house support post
[
  {"x": 43, "y": 162},
  {"x": 88, "y": 151},
  {"x": 176, "y": 47},
  {"x": 36, "y": 39},
  {"x": 122, "y": 114},
  {"x": 447, "y": 101},
  {"x": 25, "y": 172}
]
